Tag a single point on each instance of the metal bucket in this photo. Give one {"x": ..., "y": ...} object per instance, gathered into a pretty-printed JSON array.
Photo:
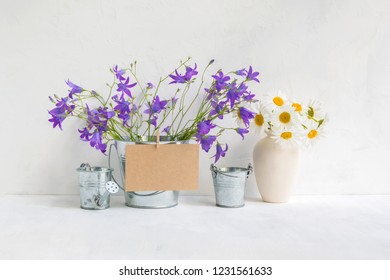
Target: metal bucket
[
  {"x": 93, "y": 192},
  {"x": 229, "y": 185},
  {"x": 144, "y": 199}
]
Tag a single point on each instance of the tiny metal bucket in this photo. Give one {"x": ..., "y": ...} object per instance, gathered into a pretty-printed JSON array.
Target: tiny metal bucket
[
  {"x": 229, "y": 185},
  {"x": 93, "y": 192}
]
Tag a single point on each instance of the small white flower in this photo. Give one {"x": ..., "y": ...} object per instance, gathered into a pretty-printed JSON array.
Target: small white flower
[
  {"x": 286, "y": 136},
  {"x": 260, "y": 119},
  {"x": 275, "y": 100},
  {"x": 313, "y": 133},
  {"x": 285, "y": 117}
]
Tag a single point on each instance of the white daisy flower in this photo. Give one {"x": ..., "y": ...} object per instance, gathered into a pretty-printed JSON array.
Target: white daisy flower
[
  {"x": 313, "y": 133},
  {"x": 285, "y": 117},
  {"x": 286, "y": 136},
  {"x": 260, "y": 119},
  {"x": 275, "y": 100}
]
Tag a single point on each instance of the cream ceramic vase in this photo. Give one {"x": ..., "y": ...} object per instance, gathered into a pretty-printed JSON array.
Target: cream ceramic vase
[{"x": 275, "y": 167}]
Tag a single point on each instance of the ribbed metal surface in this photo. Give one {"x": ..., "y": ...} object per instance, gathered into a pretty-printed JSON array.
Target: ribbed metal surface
[
  {"x": 229, "y": 185},
  {"x": 93, "y": 193}
]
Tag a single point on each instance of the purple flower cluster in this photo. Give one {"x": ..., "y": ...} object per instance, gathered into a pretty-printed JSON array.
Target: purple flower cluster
[
  {"x": 187, "y": 77},
  {"x": 155, "y": 108},
  {"x": 119, "y": 113},
  {"x": 123, "y": 109},
  {"x": 97, "y": 125},
  {"x": 61, "y": 111},
  {"x": 226, "y": 95}
]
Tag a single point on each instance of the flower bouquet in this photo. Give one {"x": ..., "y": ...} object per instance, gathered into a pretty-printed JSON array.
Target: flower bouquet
[
  {"x": 132, "y": 110},
  {"x": 289, "y": 122}
]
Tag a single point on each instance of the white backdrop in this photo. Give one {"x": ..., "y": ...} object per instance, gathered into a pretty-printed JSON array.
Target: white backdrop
[{"x": 334, "y": 51}]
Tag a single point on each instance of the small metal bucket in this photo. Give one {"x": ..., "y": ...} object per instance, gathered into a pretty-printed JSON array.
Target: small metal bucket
[
  {"x": 144, "y": 199},
  {"x": 93, "y": 192},
  {"x": 229, "y": 185}
]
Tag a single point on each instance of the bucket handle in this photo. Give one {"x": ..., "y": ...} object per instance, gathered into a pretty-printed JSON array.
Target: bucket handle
[
  {"x": 120, "y": 169},
  {"x": 215, "y": 171},
  {"x": 123, "y": 176}
]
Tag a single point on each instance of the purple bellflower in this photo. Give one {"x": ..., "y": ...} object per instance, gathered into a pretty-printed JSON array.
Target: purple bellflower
[
  {"x": 153, "y": 121},
  {"x": 220, "y": 80},
  {"x": 167, "y": 129},
  {"x": 241, "y": 72},
  {"x": 206, "y": 141},
  {"x": 211, "y": 93},
  {"x": 242, "y": 131},
  {"x": 204, "y": 127},
  {"x": 84, "y": 134},
  {"x": 156, "y": 107},
  {"x": 251, "y": 76},
  {"x": 220, "y": 152},
  {"x": 119, "y": 73},
  {"x": 248, "y": 96},
  {"x": 96, "y": 141},
  {"x": 123, "y": 109},
  {"x": 232, "y": 95},
  {"x": 125, "y": 87},
  {"x": 181, "y": 79},
  {"x": 74, "y": 89},
  {"x": 217, "y": 109},
  {"x": 98, "y": 118},
  {"x": 245, "y": 115},
  {"x": 60, "y": 112}
]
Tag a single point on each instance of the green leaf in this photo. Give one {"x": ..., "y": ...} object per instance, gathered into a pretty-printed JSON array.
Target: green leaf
[{"x": 310, "y": 113}]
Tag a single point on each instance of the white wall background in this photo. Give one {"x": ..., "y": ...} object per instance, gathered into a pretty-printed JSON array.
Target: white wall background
[{"x": 334, "y": 51}]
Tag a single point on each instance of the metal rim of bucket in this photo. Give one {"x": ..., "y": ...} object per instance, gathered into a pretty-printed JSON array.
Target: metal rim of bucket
[
  {"x": 225, "y": 170},
  {"x": 85, "y": 167}
]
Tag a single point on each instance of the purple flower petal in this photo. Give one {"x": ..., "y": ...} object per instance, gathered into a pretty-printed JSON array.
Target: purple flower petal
[
  {"x": 251, "y": 76},
  {"x": 220, "y": 152},
  {"x": 204, "y": 127},
  {"x": 242, "y": 131},
  {"x": 74, "y": 89},
  {"x": 245, "y": 115}
]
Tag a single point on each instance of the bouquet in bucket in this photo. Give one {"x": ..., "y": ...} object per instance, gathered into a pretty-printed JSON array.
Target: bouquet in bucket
[{"x": 132, "y": 110}]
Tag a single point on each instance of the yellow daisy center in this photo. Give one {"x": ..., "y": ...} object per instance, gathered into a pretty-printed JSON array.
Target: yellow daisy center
[
  {"x": 297, "y": 106},
  {"x": 312, "y": 134},
  {"x": 278, "y": 101},
  {"x": 259, "y": 119},
  {"x": 286, "y": 135},
  {"x": 285, "y": 117}
]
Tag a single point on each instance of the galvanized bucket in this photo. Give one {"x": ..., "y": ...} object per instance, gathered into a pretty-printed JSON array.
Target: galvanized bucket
[
  {"x": 143, "y": 199},
  {"x": 93, "y": 192},
  {"x": 229, "y": 185}
]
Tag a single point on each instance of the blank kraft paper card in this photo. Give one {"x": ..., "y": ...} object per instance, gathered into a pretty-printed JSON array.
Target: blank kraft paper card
[{"x": 162, "y": 167}]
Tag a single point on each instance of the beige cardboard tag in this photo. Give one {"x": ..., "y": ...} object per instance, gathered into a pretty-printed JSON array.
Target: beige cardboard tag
[{"x": 162, "y": 167}]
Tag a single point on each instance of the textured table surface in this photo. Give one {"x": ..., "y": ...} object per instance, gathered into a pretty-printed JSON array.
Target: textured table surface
[{"x": 308, "y": 227}]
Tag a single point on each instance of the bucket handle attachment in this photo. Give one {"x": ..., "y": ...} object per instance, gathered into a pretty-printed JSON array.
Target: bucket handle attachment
[
  {"x": 217, "y": 171},
  {"x": 123, "y": 176}
]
